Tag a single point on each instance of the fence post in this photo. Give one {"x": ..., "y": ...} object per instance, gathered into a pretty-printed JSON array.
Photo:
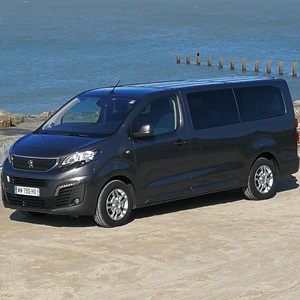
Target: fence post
[
  {"x": 280, "y": 67},
  {"x": 294, "y": 68},
  {"x": 220, "y": 62},
  {"x": 231, "y": 64},
  {"x": 178, "y": 59},
  {"x": 268, "y": 66},
  {"x": 244, "y": 68},
  {"x": 198, "y": 59},
  {"x": 209, "y": 61},
  {"x": 187, "y": 60},
  {"x": 256, "y": 66}
]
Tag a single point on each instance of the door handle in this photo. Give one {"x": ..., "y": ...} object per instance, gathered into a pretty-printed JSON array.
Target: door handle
[{"x": 179, "y": 142}]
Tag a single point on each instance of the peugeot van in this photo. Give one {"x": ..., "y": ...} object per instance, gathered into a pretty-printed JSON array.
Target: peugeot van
[{"x": 110, "y": 150}]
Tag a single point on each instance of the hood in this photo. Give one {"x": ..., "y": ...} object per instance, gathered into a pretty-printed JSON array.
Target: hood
[{"x": 38, "y": 145}]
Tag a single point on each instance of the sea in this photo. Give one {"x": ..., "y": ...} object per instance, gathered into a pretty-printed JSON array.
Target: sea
[{"x": 50, "y": 50}]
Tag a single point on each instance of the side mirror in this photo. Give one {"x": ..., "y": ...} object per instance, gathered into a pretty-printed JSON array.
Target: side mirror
[{"x": 145, "y": 131}]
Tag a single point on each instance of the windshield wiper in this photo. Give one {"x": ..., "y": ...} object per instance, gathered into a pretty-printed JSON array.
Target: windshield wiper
[{"x": 76, "y": 134}]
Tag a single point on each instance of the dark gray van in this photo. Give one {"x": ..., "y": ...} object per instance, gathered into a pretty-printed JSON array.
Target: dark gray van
[{"x": 110, "y": 150}]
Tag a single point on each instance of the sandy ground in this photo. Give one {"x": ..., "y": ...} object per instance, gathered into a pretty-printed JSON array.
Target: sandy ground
[{"x": 219, "y": 246}]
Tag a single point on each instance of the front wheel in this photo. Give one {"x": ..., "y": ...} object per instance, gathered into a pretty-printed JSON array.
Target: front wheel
[
  {"x": 261, "y": 180},
  {"x": 114, "y": 205}
]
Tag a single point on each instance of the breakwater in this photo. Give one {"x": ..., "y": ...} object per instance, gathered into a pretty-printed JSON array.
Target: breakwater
[{"x": 243, "y": 64}]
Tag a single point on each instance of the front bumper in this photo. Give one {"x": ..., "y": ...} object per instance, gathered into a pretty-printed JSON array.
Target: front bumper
[{"x": 69, "y": 195}]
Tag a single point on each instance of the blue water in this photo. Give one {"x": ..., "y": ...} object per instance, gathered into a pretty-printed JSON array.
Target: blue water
[{"x": 52, "y": 50}]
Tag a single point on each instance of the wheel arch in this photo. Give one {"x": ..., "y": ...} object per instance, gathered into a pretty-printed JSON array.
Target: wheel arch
[
  {"x": 127, "y": 181},
  {"x": 269, "y": 156},
  {"x": 264, "y": 147}
]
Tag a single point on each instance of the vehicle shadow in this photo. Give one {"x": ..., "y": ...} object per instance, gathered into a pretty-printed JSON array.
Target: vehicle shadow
[
  {"x": 54, "y": 220},
  {"x": 287, "y": 183},
  {"x": 284, "y": 184},
  {"x": 189, "y": 204},
  {"x": 164, "y": 208}
]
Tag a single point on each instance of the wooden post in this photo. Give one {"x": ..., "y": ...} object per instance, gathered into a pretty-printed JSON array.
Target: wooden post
[
  {"x": 269, "y": 69},
  {"x": 198, "y": 59},
  {"x": 231, "y": 64},
  {"x": 294, "y": 68},
  {"x": 178, "y": 59},
  {"x": 256, "y": 66},
  {"x": 280, "y": 67},
  {"x": 209, "y": 61},
  {"x": 187, "y": 60},
  {"x": 244, "y": 68},
  {"x": 220, "y": 62}
]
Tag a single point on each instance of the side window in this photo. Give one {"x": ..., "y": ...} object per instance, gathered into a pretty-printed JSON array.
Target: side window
[
  {"x": 259, "y": 102},
  {"x": 212, "y": 108},
  {"x": 161, "y": 114}
]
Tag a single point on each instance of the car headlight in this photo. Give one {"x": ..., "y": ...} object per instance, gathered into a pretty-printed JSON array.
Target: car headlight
[
  {"x": 79, "y": 157},
  {"x": 9, "y": 155}
]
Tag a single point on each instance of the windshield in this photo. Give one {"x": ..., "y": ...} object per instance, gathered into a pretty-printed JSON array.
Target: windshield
[{"x": 90, "y": 116}]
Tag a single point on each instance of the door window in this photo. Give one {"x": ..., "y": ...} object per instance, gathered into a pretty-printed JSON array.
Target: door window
[{"x": 161, "y": 114}]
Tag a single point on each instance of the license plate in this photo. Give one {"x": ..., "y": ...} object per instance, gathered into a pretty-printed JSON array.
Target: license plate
[{"x": 27, "y": 191}]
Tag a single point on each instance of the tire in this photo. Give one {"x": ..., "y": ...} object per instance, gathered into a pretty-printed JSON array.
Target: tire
[
  {"x": 31, "y": 214},
  {"x": 261, "y": 180},
  {"x": 114, "y": 205}
]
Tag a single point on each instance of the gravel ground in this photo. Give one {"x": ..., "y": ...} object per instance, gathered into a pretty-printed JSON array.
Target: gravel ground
[{"x": 219, "y": 246}]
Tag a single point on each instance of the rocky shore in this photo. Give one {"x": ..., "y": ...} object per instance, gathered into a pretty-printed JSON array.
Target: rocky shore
[
  {"x": 297, "y": 109},
  {"x": 8, "y": 119}
]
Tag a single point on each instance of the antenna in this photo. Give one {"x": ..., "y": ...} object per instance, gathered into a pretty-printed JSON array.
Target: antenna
[{"x": 112, "y": 91}]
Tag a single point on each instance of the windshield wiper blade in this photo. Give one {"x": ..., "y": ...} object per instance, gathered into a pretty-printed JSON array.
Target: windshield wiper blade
[{"x": 76, "y": 134}]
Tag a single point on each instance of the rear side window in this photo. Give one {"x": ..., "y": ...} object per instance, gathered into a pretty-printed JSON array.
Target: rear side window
[
  {"x": 259, "y": 102},
  {"x": 212, "y": 108}
]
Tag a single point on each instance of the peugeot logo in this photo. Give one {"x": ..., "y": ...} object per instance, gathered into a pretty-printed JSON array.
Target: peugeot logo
[{"x": 30, "y": 163}]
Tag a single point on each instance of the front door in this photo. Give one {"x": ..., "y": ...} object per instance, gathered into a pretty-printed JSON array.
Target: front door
[{"x": 162, "y": 159}]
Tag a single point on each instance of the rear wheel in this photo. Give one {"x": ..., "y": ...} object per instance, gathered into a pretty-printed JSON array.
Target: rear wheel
[
  {"x": 114, "y": 205},
  {"x": 261, "y": 180}
]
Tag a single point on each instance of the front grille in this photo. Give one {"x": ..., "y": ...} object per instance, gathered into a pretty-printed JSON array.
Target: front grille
[
  {"x": 29, "y": 182},
  {"x": 33, "y": 164},
  {"x": 64, "y": 198}
]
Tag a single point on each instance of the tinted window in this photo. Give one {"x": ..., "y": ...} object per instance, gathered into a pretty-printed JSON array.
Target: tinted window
[
  {"x": 161, "y": 114},
  {"x": 212, "y": 108},
  {"x": 259, "y": 102}
]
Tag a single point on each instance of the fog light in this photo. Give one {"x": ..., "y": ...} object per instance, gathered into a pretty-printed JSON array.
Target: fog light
[{"x": 76, "y": 201}]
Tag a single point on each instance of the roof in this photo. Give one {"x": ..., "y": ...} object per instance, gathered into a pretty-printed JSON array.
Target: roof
[{"x": 141, "y": 89}]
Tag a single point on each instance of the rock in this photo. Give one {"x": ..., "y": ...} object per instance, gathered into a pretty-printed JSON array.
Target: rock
[
  {"x": 297, "y": 109},
  {"x": 8, "y": 119},
  {"x": 4, "y": 113}
]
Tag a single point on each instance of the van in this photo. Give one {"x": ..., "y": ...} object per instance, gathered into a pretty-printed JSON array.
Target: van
[{"x": 108, "y": 151}]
